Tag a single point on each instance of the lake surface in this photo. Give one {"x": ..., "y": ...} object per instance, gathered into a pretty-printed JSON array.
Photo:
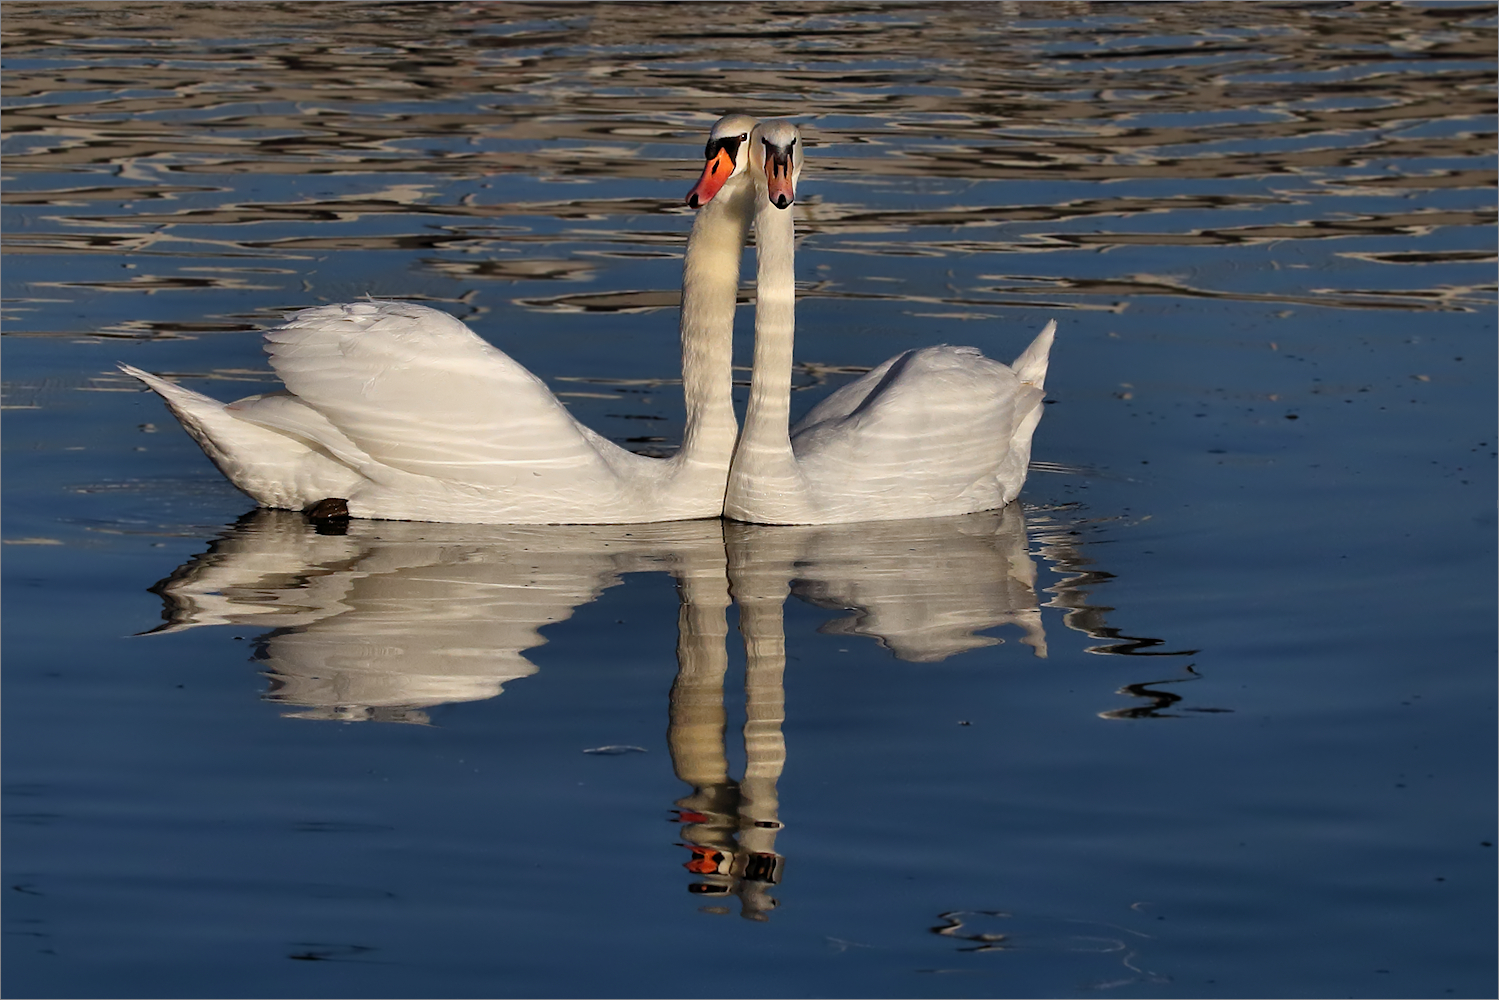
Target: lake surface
[{"x": 1209, "y": 712}]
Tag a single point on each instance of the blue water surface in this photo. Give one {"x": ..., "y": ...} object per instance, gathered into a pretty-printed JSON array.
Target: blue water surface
[{"x": 1209, "y": 712}]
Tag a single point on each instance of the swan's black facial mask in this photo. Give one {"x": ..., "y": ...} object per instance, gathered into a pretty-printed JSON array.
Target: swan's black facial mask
[
  {"x": 722, "y": 155},
  {"x": 728, "y": 144}
]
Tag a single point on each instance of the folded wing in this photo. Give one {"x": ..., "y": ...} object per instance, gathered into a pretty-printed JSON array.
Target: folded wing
[{"x": 418, "y": 391}]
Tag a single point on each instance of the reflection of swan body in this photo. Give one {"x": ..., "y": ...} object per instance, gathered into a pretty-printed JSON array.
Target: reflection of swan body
[
  {"x": 404, "y": 413},
  {"x": 396, "y": 617},
  {"x": 924, "y": 587},
  {"x": 931, "y": 432},
  {"x": 393, "y": 616}
]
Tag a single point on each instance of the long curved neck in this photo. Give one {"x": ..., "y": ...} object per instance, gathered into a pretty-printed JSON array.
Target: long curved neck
[
  {"x": 710, "y": 290},
  {"x": 765, "y": 483},
  {"x": 775, "y": 326}
]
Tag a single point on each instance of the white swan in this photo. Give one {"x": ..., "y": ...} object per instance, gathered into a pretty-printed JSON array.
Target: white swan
[
  {"x": 403, "y": 413},
  {"x": 931, "y": 432}
]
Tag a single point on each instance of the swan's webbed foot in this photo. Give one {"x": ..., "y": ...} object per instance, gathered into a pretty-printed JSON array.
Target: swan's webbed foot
[{"x": 327, "y": 509}]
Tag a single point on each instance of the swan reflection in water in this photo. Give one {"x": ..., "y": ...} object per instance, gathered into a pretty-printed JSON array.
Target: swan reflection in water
[
  {"x": 924, "y": 589},
  {"x": 390, "y": 618},
  {"x": 393, "y": 617}
]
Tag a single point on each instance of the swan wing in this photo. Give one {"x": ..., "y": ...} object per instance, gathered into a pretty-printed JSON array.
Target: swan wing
[
  {"x": 1029, "y": 367},
  {"x": 284, "y": 412},
  {"x": 418, "y": 391},
  {"x": 929, "y": 424}
]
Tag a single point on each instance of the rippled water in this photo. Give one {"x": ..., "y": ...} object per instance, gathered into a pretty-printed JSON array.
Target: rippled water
[{"x": 1210, "y": 712}]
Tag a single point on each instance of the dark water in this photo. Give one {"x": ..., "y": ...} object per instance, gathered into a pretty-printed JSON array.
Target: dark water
[{"x": 1209, "y": 713}]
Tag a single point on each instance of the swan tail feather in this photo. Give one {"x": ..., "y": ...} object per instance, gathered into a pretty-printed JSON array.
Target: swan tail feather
[
  {"x": 201, "y": 416},
  {"x": 274, "y": 469},
  {"x": 1030, "y": 367}
]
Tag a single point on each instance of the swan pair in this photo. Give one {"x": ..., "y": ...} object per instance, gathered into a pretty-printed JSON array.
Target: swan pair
[{"x": 396, "y": 411}]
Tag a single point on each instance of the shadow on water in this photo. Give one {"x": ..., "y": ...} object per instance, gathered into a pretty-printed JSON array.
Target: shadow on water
[{"x": 383, "y": 620}]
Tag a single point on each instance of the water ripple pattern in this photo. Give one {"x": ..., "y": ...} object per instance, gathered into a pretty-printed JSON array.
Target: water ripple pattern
[{"x": 1208, "y": 712}]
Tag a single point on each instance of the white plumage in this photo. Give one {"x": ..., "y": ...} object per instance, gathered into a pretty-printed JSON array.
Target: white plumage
[
  {"x": 405, "y": 413},
  {"x": 931, "y": 432}
]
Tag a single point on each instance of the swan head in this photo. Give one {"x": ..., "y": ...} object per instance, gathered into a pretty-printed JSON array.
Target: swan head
[
  {"x": 728, "y": 157},
  {"x": 776, "y": 150}
]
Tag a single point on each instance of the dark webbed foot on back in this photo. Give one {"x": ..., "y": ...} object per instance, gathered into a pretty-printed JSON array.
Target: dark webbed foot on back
[{"x": 327, "y": 509}]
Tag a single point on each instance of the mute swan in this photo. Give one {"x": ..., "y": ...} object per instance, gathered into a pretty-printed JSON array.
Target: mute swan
[
  {"x": 397, "y": 411},
  {"x": 931, "y": 432}
]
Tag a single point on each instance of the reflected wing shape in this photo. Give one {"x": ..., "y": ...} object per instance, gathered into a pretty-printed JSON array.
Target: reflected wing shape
[
  {"x": 398, "y": 616},
  {"x": 269, "y": 570},
  {"x": 925, "y": 588}
]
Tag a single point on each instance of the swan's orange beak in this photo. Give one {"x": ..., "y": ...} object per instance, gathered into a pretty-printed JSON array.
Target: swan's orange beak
[
  {"x": 718, "y": 170},
  {"x": 779, "y": 185}
]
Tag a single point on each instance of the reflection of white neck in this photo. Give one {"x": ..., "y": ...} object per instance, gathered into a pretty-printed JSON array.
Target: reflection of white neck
[
  {"x": 710, "y": 288},
  {"x": 761, "y": 598},
  {"x": 730, "y": 826},
  {"x": 765, "y": 476}
]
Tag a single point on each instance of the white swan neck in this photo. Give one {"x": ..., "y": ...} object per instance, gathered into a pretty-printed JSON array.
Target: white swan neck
[
  {"x": 765, "y": 483},
  {"x": 710, "y": 289},
  {"x": 775, "y": 323}
]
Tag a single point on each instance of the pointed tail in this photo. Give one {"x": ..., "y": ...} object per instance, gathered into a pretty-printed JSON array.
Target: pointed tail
[
  {"x": 1031, "y": 365},
  {"x": 196, "y": 411},
  {"x": 271, "y": 467}
]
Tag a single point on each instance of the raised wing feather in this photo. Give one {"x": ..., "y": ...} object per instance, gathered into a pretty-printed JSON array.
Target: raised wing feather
[
  {"x": 934, "y": 420},
  {"x": 419, "y": 391}
]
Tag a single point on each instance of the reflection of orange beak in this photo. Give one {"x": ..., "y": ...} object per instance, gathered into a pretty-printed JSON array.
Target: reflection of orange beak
[
  {"x": 706, "y": 861},
  {"x": 718, "y": 170}
]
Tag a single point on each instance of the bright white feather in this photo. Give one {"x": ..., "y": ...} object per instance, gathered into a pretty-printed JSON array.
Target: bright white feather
[
  {"x": 407, "y": 414},
  {"x": 931, "y": 432}
]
